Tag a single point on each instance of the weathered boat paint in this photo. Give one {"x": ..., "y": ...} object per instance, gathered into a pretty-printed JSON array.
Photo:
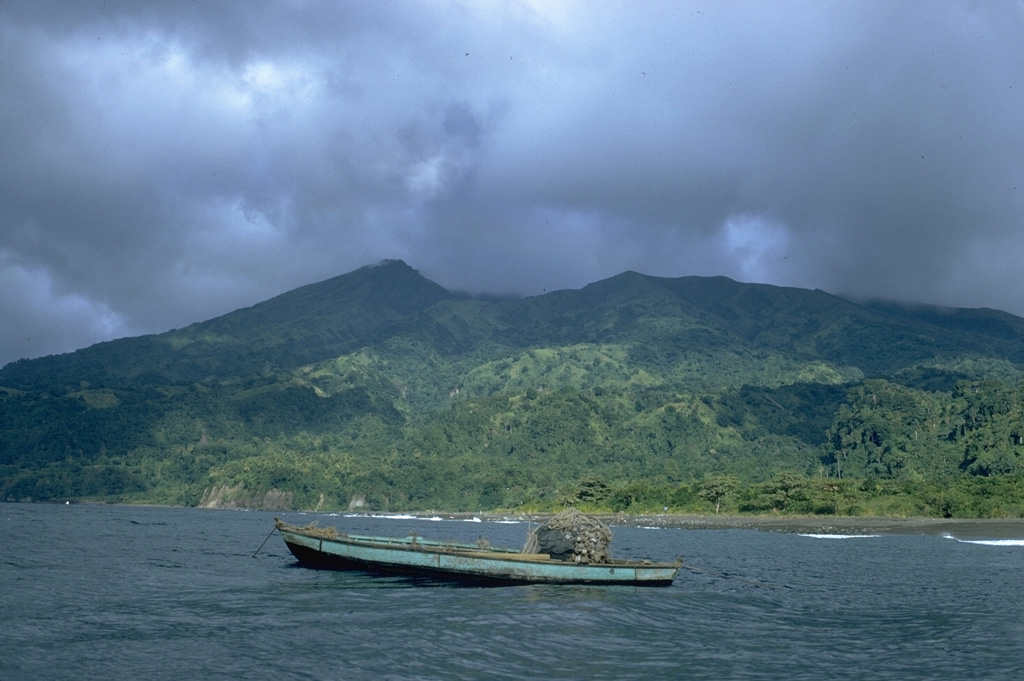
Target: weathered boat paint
[{"x": 462, "y": 562}]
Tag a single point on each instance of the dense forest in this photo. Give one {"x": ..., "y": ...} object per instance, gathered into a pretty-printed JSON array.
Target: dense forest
[{"x": 380, "y": 390}]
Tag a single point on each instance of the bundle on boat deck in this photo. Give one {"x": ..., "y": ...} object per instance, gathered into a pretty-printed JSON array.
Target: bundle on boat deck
[{"x": 572, "y": 536}]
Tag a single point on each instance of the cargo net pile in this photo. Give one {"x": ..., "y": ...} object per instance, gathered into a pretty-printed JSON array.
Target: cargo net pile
[{"x": 571, "y": 536}]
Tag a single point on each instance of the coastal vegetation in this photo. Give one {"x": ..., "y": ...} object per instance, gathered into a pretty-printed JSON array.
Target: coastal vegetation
[{"x": 381, "y": 391}]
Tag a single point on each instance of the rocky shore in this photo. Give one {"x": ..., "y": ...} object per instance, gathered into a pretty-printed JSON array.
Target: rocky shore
[
  {"x": 1011, "y": 528},
  {"x": 962, "y": 529}
]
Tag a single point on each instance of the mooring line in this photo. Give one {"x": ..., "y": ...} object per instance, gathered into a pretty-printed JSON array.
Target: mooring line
[{"x": 265, "y": 540}]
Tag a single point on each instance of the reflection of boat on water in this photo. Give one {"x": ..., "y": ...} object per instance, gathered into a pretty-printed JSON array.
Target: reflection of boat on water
[{"x": 327, "y": 548}]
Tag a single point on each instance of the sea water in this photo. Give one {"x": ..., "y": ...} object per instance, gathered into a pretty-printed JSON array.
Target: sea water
[{"x": 116, "y": 592}]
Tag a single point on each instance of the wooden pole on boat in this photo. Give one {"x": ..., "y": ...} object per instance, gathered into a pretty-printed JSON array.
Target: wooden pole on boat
[{"x": 265, "y": 540}]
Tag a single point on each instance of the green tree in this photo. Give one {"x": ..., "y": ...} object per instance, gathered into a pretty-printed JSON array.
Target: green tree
[{"x": 716, "y": 489}]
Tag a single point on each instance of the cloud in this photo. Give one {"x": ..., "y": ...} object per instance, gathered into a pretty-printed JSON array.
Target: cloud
[
  {"x": 169, "y": 162},
  {"x": 48, "y": 319}
]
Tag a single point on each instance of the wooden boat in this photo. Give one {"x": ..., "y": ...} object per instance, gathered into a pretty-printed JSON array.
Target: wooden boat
[{"x": 327, "y": 548}]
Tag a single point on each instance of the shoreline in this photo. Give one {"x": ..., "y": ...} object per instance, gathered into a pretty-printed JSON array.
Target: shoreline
[
  {"x": 971, "y": 528},
  {"x": 961, "y": 528}
]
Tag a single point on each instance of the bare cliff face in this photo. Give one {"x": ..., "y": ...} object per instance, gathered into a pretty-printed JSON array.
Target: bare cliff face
[{"x": 227, "y": 496}]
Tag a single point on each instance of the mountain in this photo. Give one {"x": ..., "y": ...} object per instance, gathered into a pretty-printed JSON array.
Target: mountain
[
  {"x": 381, "y": 385},
  {"x": 308, "y": 324}
]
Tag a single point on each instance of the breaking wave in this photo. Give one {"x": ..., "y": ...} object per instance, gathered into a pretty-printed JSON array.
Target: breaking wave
[
  {"x": 838, "y": 536},
  {"x": 987, "y": 542}
]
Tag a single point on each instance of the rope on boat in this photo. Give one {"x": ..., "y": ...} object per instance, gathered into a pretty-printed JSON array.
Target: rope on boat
[
  {"x": 312, "y": 530},
  {"x": 321, "y": 532}
]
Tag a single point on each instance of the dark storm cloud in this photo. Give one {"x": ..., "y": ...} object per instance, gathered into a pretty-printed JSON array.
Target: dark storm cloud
[{"x": 165, "y": 162}]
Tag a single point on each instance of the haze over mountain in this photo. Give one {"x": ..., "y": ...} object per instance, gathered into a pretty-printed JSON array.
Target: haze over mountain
[{"x": 391, "y": 299}]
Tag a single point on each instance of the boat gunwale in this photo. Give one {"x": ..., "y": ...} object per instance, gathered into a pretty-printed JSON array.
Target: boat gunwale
[{"x": 416, "y": 544}]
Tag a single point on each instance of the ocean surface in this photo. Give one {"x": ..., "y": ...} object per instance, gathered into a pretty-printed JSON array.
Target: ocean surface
[{"x": 116, "y": 592}]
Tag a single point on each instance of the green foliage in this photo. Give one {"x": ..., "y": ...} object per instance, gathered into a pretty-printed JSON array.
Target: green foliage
[
  {"x": 716, "y": 488},
  {"x": 633, "y": 394}
]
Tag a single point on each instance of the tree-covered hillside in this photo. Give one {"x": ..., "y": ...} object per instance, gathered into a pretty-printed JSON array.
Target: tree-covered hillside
[{"x": 381, "y": 390}]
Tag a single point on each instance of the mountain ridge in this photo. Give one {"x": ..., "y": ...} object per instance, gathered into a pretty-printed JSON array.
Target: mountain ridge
[
  {"x": 381, "y": 384},
  {"x": 362, "y": 304},
  {"x": 378, "y": 304}
]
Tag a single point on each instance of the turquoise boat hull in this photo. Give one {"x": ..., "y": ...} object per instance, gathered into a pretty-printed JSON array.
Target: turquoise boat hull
[{"x": 313, "y": 547}]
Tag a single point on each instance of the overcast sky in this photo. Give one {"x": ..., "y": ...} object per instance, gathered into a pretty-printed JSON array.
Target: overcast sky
[{"x": 165, "y": 162}]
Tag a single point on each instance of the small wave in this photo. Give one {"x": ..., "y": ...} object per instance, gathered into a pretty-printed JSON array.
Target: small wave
[
  {"x": 839, "y": 536},
  {"x": 379, "y": 516},
  {"x": 987, "y": 542},
  {"x": 432, "y": 518}
]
